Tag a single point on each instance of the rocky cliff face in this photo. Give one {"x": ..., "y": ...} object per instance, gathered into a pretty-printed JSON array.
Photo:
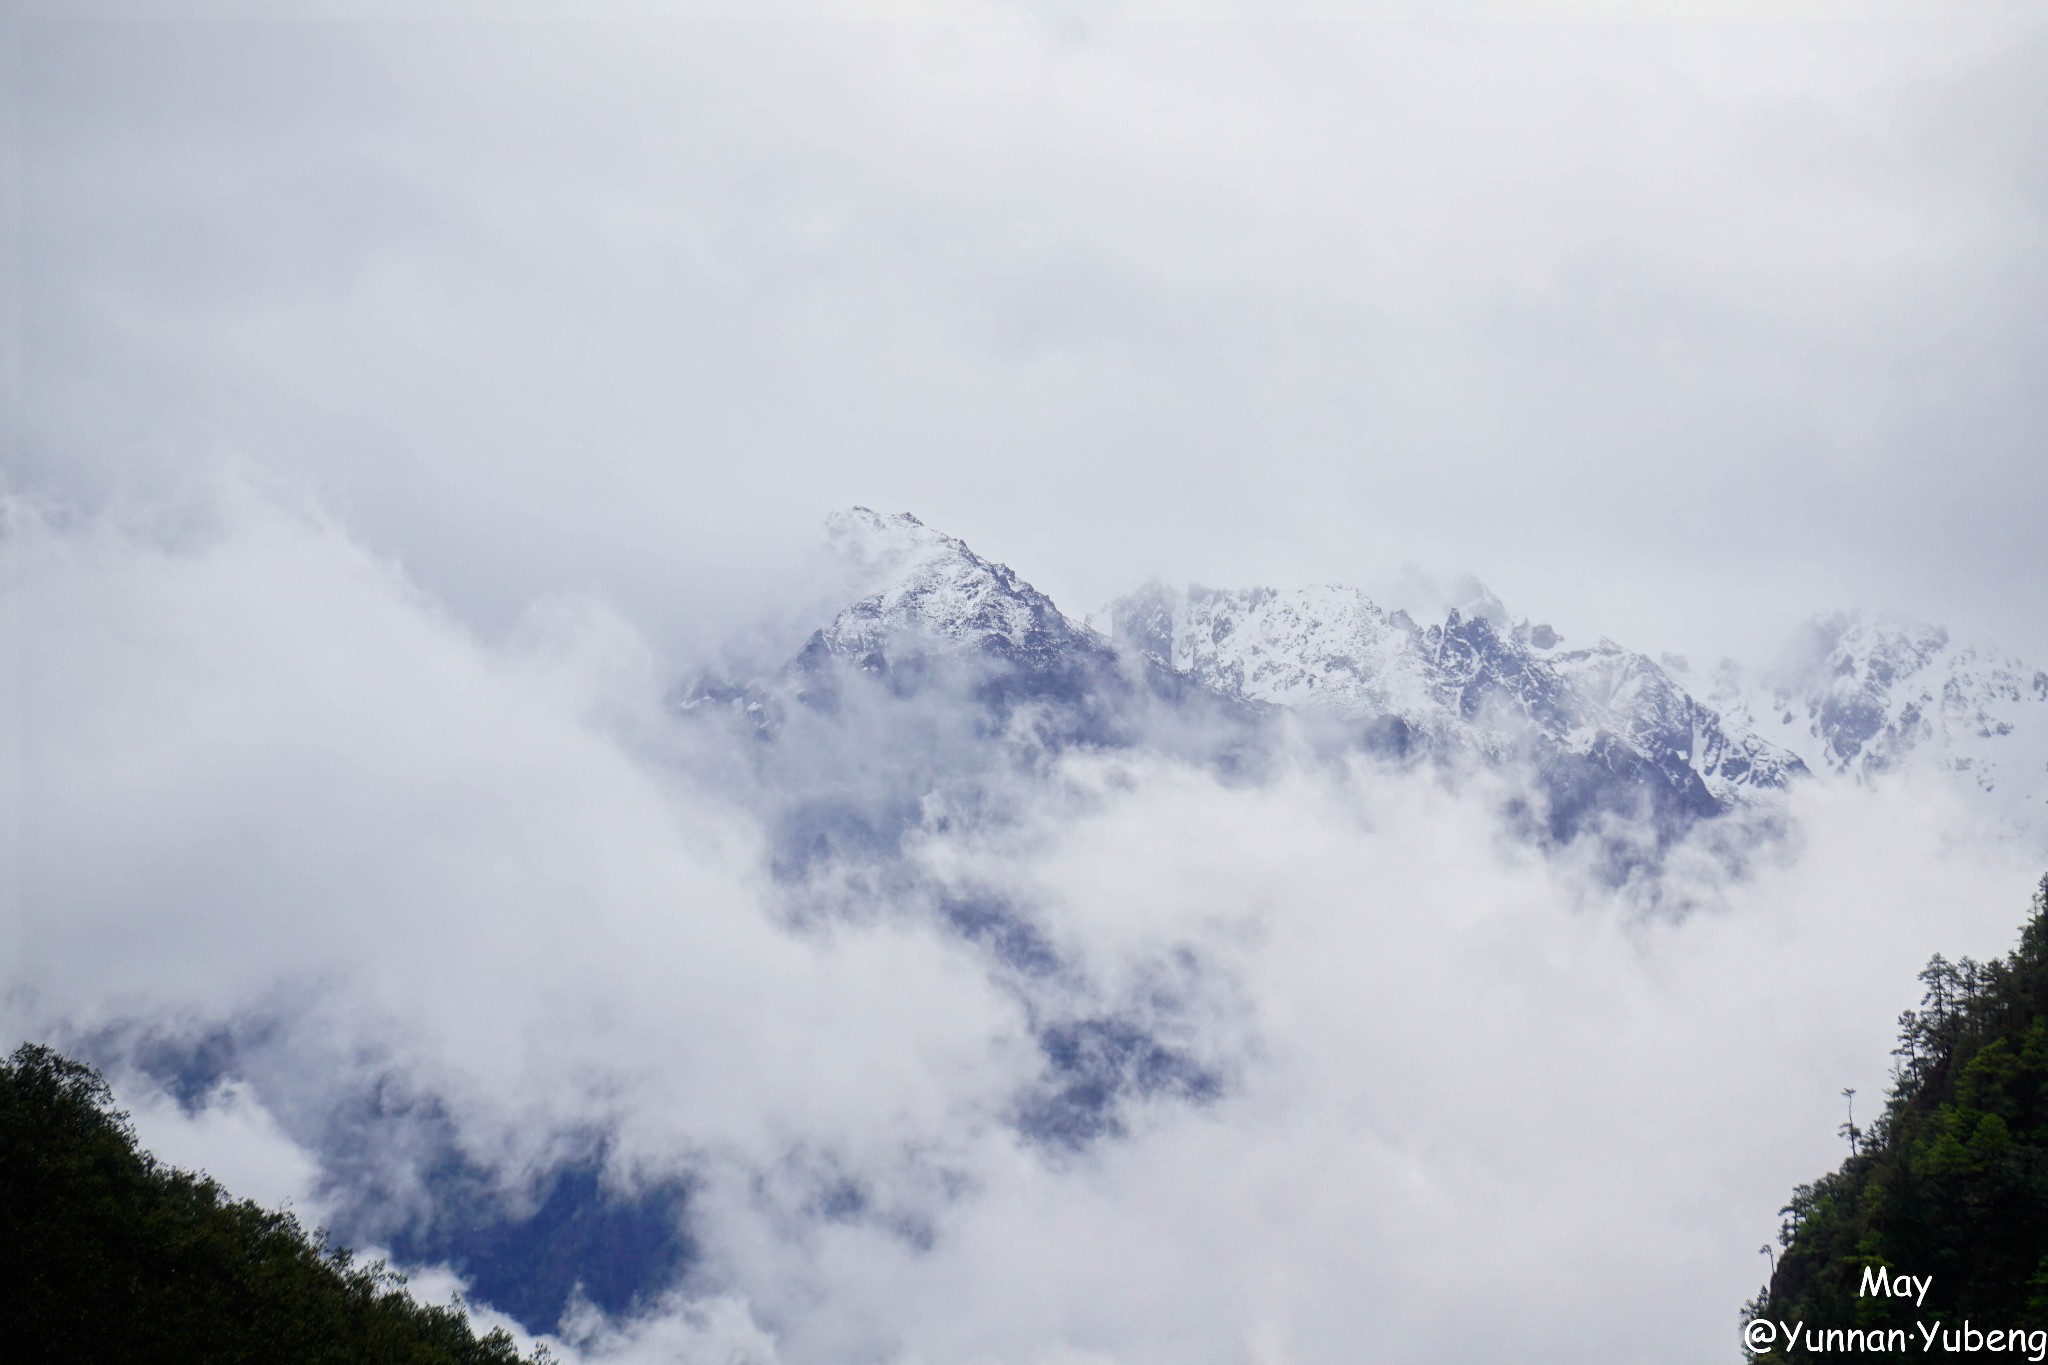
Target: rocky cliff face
[
  {"x": 919, "y": 589},
  {"x": 1861, "y": 694},
  {"x": 1475, "y": 681}
]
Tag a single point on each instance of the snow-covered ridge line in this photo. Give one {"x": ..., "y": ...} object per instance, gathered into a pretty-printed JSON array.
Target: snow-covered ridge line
[
  {"x": 1476, "y": 677},
  {"x": 1476, "y": 680},
  {"x": 1860, "y": 694}
]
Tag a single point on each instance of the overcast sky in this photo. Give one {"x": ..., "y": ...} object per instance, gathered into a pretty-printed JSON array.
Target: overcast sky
[{"x": 1672, "y": 328}]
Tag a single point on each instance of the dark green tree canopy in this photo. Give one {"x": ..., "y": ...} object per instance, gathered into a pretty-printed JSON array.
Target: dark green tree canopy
[
  {"x": 1951, "y": 1180},
  {"x": 109, "y": 1255}
]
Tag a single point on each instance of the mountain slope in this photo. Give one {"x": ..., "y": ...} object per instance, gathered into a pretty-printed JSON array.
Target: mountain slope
[
  {"x": 914, "y": 581},
  {"x": 109, "y": 1256},
  {"x": 1950, "y": 1182},
  {"x": 1861, "y": 694},
  {"x": 929, "y": 618},
  {"x": 1474, "y": 682}
]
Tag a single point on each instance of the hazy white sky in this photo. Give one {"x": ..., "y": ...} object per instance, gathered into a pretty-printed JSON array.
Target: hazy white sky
[{"x": 1672, "y": 327}]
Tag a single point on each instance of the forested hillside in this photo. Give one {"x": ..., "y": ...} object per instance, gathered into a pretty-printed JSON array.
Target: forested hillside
[
  {"x": 108, "y": 1255},
  {"x": 1950, "y": 1181}
]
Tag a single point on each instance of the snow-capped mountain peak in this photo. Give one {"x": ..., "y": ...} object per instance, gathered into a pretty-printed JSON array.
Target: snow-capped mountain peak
[
  {"x": 914, "y": 580},
  {"x": 1864, "y": 693},
  {"x": 1475, "y": 679},
  {"x": 1235, "y": 677},
  {"x": 880, "y": 546}
]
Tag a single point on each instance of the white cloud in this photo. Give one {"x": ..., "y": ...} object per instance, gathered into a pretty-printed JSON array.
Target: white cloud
[
  {"x": 1481, "y": 1114},
  {"x": 264, "y": 774},
  {"x": 1472, "y": 1110},
  {"x": 234, "y": 1139}
]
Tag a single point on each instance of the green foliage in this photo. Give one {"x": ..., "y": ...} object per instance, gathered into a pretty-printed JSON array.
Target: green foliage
[
  {"x": 109, "y": 1255},
  {"x": 1952, "y": 1180}
]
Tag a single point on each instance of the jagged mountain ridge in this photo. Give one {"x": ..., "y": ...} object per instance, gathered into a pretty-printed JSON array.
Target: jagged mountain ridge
[
  {"x": 914, "y": 580},
  {"x": 1474, "y": 679},
  {"x": 1606, "y": 730},
  {"x": 926, "y": 609},
  {"x": 1861, "y": 694}
]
